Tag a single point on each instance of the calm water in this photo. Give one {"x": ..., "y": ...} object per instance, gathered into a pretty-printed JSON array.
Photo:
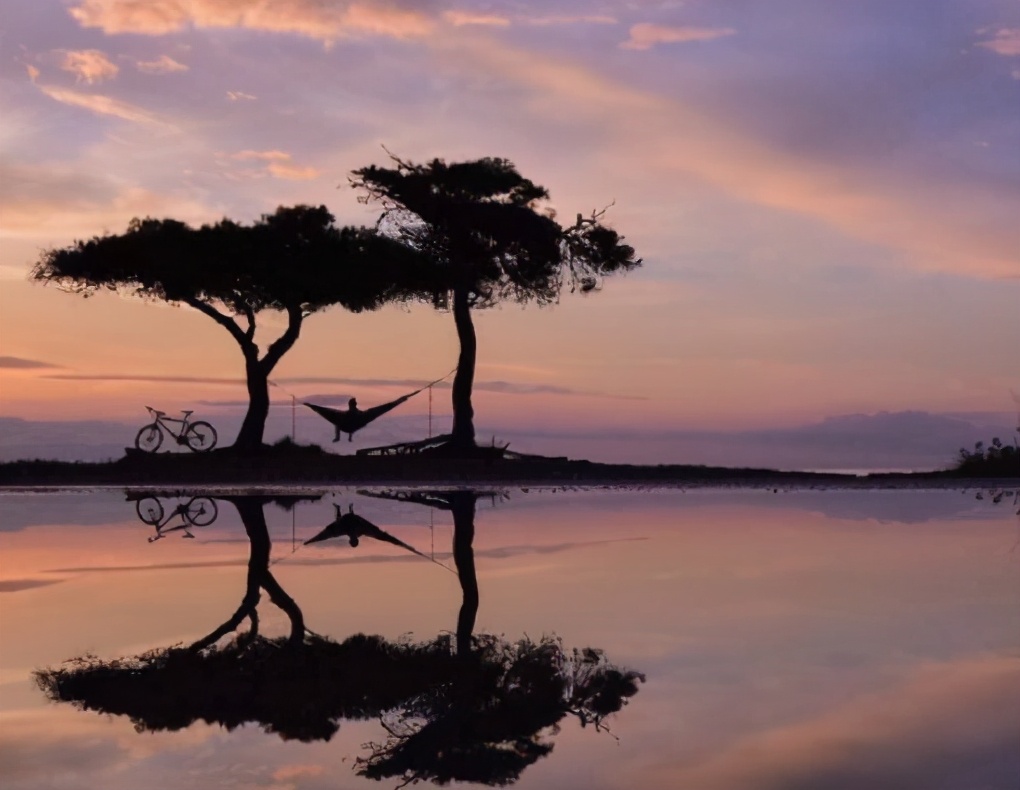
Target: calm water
[{"x": 788, "y": 641}]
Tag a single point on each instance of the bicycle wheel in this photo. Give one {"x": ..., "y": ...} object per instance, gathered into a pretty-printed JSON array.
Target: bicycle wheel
[
  {"x": 201, "y": 511},
  {"x": 150, "y": 510},
  {"x": 201, "y": 436},
  {"x": 149, "y": 438}
]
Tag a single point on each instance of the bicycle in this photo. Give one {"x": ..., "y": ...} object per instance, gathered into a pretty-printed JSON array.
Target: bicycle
[
  {"x": 199, "y": 511},
  {"x": 197, "y": 436}
]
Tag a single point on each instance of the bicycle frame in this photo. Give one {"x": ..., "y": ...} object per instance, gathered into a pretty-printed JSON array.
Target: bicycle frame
[
  {"x": 198, "y": 436},
  {"x": 161, "y": 418}
]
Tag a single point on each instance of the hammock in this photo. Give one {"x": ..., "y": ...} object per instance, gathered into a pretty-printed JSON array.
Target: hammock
[{"x": 350, "y": 420}]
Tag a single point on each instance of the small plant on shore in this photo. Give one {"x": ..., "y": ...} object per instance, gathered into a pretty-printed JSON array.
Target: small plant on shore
[{"x": 994, "y": 460}]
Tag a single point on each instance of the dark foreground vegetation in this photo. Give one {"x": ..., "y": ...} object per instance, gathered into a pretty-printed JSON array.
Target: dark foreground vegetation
[
  {"x": 995, "y": 460},
  {"x": 289, "y": 463}
]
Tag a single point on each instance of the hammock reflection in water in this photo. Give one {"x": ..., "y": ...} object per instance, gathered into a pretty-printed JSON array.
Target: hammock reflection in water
[{"x": 460, "y": 707}]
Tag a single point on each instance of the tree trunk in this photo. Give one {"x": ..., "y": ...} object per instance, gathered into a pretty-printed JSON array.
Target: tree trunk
[
  {"x": 254, "y": 426},
  {"x": 463, "y": 507},
  {"x": 463, "y": 413},
  {"x": 258, "y": 563},
  {"x": 257, "y": 372},
  {"x": 289, "y": 606},
  {"x": 251, "y": 509}
]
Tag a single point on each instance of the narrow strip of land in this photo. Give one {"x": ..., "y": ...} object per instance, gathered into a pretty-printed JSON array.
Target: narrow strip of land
[{"x": 297, "y": 466}]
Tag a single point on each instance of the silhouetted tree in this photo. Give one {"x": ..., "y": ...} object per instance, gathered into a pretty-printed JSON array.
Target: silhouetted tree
[
  {"x": 296, "y": 261},
  {"x": 486, "y": 239}
]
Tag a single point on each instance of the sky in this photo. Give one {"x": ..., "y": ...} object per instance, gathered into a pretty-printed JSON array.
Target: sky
[{"x": 824, "y": 196}]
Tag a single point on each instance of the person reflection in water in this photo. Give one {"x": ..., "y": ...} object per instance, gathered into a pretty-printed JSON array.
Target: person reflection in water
[{"x": 354, "y": 527}]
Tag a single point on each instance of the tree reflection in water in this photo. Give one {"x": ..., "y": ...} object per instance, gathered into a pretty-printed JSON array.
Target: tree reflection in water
[{"x": 466, "y": 707}]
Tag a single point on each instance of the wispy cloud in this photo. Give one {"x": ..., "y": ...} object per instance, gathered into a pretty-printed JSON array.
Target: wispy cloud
[
  {"x": 143, "y": 378},
  {"x": 287, "y": 773},
  {"x": 240, "y": 96},
  {"x": 949, "y": 227},
  {"x": 462, "y": 18},
  {"x": 279, "y": 164},
  {"x": 1005, "y": 41},
  {"x": 18, "y": 363},
  {"x": 501, "y": 387},
  {"x": 105, "y": 105},
  {"x": 325, "y": 20},
  {"x": 164, "y": 64},
  {"x": 289, "y": 172},
  {"x": 59, "y": 200},
  {"x": 89, "y": 65},
  {"x": 646, "y": 35},
  {"x": 584, "y": 19},
  {"x": 267, "y": 156},
  {"x": 17, "y": 585}
]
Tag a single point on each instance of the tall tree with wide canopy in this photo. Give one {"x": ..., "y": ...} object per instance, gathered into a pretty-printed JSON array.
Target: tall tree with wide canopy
[
  {"x": 296, "y": 261},
  {"x": 486, "y": 238}
]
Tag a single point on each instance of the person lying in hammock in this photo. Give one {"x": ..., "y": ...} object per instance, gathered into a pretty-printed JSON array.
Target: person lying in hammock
[
  {"x": 352, "y": 410},
  {"x": 354, "y": 419}
]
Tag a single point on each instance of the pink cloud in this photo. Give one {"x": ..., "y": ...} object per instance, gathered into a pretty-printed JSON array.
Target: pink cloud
[
  {"x": 325, "y": 20},
  {"x": 288, "y": 772},
  {"x": 279, "y": 164},
  {"x": 949, "y": 228},
  {"x": 105, "y": 105},
  {"x": 646, "y": 36},
  {"x": 89, "y": 65},
  {"x": 56, "y": 201},
  {"x": 267, "y": 156},
  {"x": 289, "y": 172},
  {"x": 164, "y": 64},
  {"x": 461, "y": 18},
  {"x": 584, "y": 19},
  {"x": 1005, "y": 42}
]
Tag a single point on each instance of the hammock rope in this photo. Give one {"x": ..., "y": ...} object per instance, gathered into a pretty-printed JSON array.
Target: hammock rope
[{"x": 349, "y": 421}]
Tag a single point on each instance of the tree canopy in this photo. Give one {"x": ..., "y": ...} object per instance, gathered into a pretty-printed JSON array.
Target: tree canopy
[
  {"x": 296, "y": 261},
  {"x": 486, "y": 237}
]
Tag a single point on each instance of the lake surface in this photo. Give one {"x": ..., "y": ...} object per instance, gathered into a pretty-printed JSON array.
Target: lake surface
[{"x": 786, "y": 640}]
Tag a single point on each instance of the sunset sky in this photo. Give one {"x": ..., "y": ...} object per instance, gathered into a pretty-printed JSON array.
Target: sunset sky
[{"x": 826, "y": 196}]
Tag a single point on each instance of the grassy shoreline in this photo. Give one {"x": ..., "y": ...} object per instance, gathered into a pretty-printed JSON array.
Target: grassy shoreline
[{"x": 312, "y": 465}]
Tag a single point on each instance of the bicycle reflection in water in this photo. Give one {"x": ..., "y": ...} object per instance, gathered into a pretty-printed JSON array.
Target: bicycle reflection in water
[{"x": 198, "y": 511}]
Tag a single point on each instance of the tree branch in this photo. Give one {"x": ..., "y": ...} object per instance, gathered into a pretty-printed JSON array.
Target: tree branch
[
  {"x": 279, "y": 597},
  {"x": 244, "y": 610},
  {"x": 250, "y": 315},
  {"x": 244, "y": 340},
  {"x": 283, "y": 343}
]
